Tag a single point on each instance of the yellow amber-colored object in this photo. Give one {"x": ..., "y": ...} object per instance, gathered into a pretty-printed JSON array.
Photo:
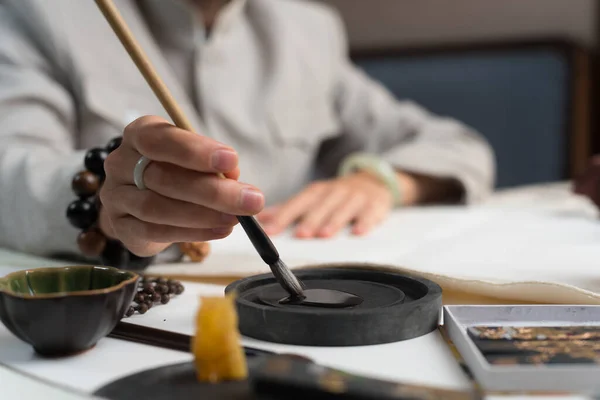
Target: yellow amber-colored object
[{"x": 218, "y": 352}]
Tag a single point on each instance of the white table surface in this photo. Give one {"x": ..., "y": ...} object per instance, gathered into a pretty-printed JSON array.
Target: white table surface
[
  {"x": 115, "y": 358},
  {"x": 425, "y": 360}
]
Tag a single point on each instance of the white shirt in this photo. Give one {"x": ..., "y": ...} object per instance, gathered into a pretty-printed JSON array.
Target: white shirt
[{"x": 273, "y": 80}]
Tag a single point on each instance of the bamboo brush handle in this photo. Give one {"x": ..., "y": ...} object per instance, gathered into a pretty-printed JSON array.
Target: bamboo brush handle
[
  {"x": 196, "y": 251},
  {"x": 141, "y": 60},
  {"x": 258, "y": 237}
]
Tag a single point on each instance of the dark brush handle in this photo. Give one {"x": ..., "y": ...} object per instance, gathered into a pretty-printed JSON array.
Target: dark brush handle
[
  {"x": 161, "y": 338},
  {"x": 260, "y": 240},
  {"x": 151, "y": 336},
  {"x": 267, "y": 251}
]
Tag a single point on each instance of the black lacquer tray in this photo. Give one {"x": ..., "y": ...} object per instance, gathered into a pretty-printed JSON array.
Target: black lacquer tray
[
  {"x": 272, "y": 377},
  {"x": 396, "y": 307},
  {"x": 179, "y": 382}
]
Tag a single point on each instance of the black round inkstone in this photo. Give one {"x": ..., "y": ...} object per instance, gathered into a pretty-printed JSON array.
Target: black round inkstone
[
  {"x": 395, "y": 307},
  {"x": 274, "y": 295}
]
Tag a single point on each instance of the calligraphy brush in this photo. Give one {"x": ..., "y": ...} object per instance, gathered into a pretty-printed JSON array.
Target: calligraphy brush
[
  {"x": 160, "y": 338},
  {"x": 258, "y": 237}
]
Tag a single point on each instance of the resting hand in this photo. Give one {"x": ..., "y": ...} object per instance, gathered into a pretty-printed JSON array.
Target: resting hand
[
  {"x": 324, "y": 208},
  {"x": 185, "y": 201}
]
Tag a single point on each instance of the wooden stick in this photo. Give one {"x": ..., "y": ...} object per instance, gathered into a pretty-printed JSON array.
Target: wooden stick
[
  {"x": 141, "y": 60},
  {"x": 257, "y": 236},
  {"x": 119, "y": 26},
  {"x": 165, "y": 339}
]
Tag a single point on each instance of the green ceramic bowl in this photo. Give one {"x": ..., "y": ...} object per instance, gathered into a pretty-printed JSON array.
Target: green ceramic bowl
[{"x": 65, "y": 310}]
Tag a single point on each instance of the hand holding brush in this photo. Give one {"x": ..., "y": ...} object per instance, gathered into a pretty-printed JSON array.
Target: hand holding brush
[{"x": 185, "y": 174}]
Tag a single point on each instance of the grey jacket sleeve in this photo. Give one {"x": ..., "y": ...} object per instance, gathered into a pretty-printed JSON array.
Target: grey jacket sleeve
[
  {"x": 37, "y": 156},
  {"x": 406, "y": 135}
]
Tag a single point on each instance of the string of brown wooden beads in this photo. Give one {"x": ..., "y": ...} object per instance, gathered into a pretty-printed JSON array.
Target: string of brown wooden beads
[
  {"x": 84, "y": 211},
  {"x": 154, "y": 291},
  {"x": 83, "y": 214}
]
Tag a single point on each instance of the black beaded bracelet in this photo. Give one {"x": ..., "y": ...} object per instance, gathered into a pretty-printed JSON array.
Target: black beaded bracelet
[{"x": 83, "y": 214}]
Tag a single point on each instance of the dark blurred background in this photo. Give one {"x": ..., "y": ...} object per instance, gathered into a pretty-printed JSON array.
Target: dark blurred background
[{"x": 522, "y": 72}]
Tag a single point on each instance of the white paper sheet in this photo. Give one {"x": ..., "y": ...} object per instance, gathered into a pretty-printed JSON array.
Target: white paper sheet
[
  {"x": 531, "y": 244},
  {"x": 507, "y": 252}
]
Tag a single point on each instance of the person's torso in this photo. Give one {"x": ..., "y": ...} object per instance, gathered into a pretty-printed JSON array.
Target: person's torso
[{"x": 263, "y": 82}]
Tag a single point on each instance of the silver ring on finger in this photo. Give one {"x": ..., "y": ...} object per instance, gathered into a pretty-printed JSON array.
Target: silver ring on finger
[{"x": 138, "y": 172}]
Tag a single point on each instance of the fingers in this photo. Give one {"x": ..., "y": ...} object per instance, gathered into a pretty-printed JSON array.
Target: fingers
[
  {"x": 268, "y": 215},
  {"x": 313, "y": 220},
  {"x": 205, "y": 189},
  {"x": 343, "y": 216},
  {"x": 235, "y": 174},
  {"x": 324, "y": 209},
  {"x": 147, "y": 222},
  {"x": 154, "y": 208},
  {"x": 372, "y": 216},
  {"x": 185, "y": 202},
  {"x": 145, "y": 238},
  {"x": 158, "y": 140},
  {"x": 208, "y": 190},
  {"x": 286, "y": 214},
  {"x": 155, "y": 233}
]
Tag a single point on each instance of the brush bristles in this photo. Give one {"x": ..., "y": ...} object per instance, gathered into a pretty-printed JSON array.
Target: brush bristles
[{"x": 287, "y": 279}]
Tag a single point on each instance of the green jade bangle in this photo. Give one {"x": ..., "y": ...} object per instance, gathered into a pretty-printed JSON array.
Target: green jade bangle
[{"x": 376, "y": 166}]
